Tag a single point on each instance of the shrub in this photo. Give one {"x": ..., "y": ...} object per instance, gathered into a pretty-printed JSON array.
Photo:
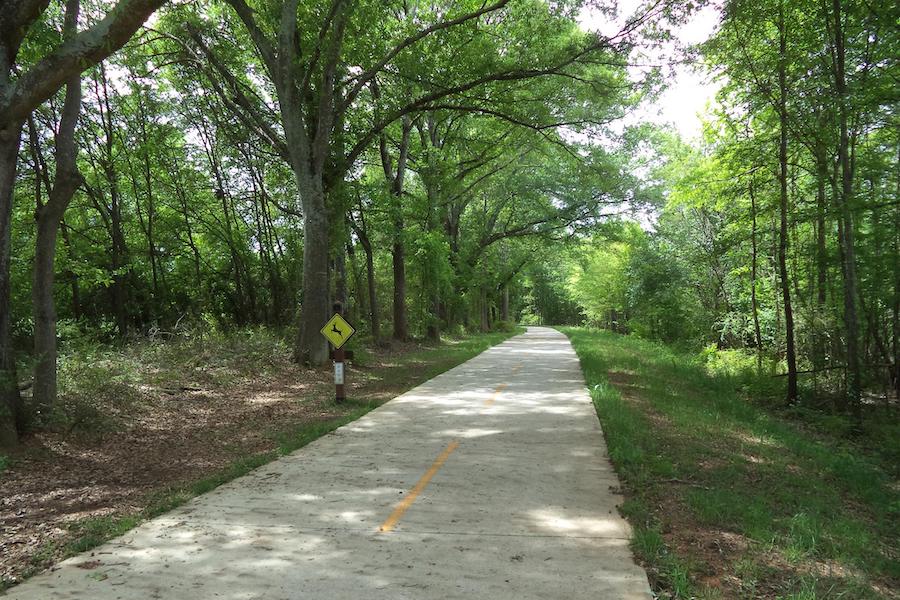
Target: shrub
[{"x": 504, "y": 326}]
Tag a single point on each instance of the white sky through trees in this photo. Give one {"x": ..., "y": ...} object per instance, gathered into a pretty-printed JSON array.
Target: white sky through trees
[{"x": 690, "y": 90}]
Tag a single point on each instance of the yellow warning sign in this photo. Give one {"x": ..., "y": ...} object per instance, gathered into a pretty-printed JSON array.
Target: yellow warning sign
[{"x": 338, "y": 331}]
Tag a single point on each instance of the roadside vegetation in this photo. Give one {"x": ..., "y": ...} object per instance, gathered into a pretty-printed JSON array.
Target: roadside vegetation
[
  {"x": 732, "y": 495},
  {"x": 143, "y": 427},
  {"x": 181, "y": 203}
]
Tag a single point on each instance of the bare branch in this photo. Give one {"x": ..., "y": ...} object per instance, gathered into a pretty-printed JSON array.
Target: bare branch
[{"x": 237, "y": 101}]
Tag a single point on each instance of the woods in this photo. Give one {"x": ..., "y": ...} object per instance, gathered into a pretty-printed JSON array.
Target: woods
[
  {"x": 186, "y": 189},
  {"x": 777, "y": 235},
  {"x": 244, "y": 164},
  {"x": 240, "y": 164}
]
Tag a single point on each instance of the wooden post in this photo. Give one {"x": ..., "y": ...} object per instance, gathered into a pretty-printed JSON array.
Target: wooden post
[{"x": 338, "y": 354}]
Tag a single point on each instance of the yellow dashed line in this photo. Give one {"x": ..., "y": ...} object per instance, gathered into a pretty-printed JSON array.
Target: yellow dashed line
[
  {"x": 392, "y": 520},
  {"x": 499, "y": 389}
]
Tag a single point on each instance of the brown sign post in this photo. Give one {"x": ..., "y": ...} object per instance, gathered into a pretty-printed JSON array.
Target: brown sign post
[{"x": 338, "y": 332}]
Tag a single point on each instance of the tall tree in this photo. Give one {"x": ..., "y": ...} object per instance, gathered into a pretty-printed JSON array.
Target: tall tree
[
  {"x": 322, "y": 83},
  {"x": 21, "y": 91},
  {"x": 790, "y": 346},
  {"x": 49, "y": 216}
]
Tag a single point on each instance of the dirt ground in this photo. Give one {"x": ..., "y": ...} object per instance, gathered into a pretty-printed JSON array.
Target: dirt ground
[{"x": 171, "y": 436}]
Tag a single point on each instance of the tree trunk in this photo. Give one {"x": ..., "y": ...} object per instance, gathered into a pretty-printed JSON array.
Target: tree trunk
[
  {"x": 895, "y": 331},
  {"x": 11, "y": 416},
  {"x": 821, "y": 256},
  {"x": 45, "y": 351},
  {"x": 895, "y": 321},
  {"x": 754, "y": 302},
  {"x": 311, "y": 348},
  {"x": 398, "y": 257},
  {"x": 783, "y": 196},
  {"x": 395, "y": 181},
  {"x": 374, "y": 316},
  {"x": 504, "y": 304},
  {"x": 848, "y": 265},
  {"x": 359, "y": 297},
  {"x": 65, "y": 183}
]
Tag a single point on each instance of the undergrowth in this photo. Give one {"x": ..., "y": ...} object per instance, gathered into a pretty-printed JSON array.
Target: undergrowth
[{"x": 707, "y": 458}]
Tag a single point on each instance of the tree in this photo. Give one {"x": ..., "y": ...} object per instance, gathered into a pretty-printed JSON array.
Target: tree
[
  {"x": 48, "y": 216},
  {"x": 20, "y": 93},
  {"x": 323, "y": 83}
]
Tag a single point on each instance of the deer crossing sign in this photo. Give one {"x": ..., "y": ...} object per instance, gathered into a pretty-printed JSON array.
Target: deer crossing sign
[{"x": 338, "y": 331}]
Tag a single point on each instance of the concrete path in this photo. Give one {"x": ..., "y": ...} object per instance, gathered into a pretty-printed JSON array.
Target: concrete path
[{"x": 489, "y": 481}]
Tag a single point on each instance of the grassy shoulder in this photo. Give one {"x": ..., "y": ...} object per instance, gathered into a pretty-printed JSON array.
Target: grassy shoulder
[
  {"x": 144, "y": 428},
  {"x": 731, "y": 498}
]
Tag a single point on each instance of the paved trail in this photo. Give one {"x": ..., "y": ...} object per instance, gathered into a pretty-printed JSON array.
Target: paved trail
[{"x": 489, "y": 481}]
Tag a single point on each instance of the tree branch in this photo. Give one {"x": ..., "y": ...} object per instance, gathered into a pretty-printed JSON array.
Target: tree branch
[
  {"x": 423, "y": 102},
  {"x": 80, "y": 53},
  {"x": 364, "y": 78},
  {"x": 262, "y": 43}
]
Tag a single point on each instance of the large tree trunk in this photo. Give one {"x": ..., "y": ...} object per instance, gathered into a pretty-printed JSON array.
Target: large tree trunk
[
  {"x": 395, "y": 181},
  {"x": 65, "y": 183},
  {"x": 398, "y": 249},
  {"x": 45, "y": 351},
  {"x": 11, "y": 416},
  {"x": 783, "y": 197},
  {"x": 484, "y": 310},
  {"x": 311, "y": 347}
]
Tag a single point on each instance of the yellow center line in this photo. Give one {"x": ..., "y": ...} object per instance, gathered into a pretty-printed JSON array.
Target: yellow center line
[
  {"x": 516, "y": 368},
  {"x": 499, "y": 389},
  {"x": 404, "y": 505},
  {"x": 392, "y": 520}
]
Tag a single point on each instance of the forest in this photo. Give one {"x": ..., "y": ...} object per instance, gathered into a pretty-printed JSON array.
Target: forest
[
  {"x": 211, "y": 169},
  {"x": 234, "y": 165}
]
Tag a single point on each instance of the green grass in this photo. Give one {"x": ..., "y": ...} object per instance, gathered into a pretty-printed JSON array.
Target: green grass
[
  {"x": 4, "y": 462},
  {"x": 407, "y": 370},
  {"x": 693, "y": 450}
]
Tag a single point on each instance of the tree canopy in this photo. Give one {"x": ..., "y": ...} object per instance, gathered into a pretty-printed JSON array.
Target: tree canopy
[{"x": 437, "y": 166}]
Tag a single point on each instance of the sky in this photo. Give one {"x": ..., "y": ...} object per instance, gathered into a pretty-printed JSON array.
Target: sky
[{"x": 689, "y": 94}]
